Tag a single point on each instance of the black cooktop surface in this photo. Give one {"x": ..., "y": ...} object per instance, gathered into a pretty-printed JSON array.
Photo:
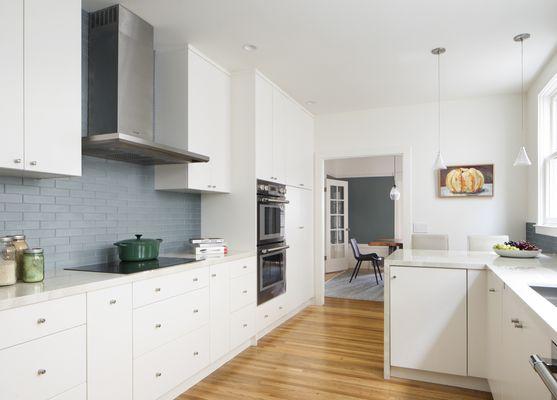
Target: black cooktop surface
[{"x": 129, "y": 267}]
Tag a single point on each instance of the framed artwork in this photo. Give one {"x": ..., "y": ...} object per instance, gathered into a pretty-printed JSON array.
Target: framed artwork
[{"x": 466, "y": 181}]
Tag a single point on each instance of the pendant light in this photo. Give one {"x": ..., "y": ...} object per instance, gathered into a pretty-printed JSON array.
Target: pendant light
[
  {"x": 394, "y": 194},
  {"x": 522, "y": 159},
  {"x": 439, "y": 162}
]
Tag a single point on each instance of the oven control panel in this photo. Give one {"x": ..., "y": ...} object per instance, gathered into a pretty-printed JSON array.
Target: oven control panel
[{"x": 266, "y": 188}]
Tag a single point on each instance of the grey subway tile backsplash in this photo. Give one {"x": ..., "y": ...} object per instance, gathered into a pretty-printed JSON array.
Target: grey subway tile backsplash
[
  {"x": 548, "y": 244},
  {"x": 76, "y": 220}
]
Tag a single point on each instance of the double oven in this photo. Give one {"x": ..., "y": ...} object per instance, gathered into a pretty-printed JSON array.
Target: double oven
[{"x": 271, "y": 244}]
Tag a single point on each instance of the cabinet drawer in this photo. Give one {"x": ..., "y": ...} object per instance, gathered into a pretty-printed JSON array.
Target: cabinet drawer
[
  {"x": 265, "y": 315},
  {"x": 77, "y": 393},
  {"x": 158, "y": 371},
  {"x": 44, "y": 368},
  {"x": 159, "y": 323},
  {"x": 41, "y": 319},
  {"x": 243, "y": 291},
  {"x": 243, "y": 267},
  {"x": 156, "y": 289},
  {"x": 242, "y": 325}
]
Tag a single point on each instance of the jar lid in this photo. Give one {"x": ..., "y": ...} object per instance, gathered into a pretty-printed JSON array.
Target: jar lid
[
  {"x": 6, "y": 239},
  {"x": 35, "y": 250},
  {"x": 18, "y": 237}
]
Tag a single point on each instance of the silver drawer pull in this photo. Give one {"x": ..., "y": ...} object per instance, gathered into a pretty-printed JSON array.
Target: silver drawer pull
[
  {"x": 195, "y": 353},
  {"x": 492, "y": 290},
  {"x": 245, "y": 267},
  {"x": 245, "y": 325},
  {"x": 158, "y": 374},
  {"x": 545, "y": 371},
  {"x": 244, "y": 291},
  {"x": 515, "y": 320},
  {"x": 266, "y": 316},
  {"x": 158, "y": 326},
  {"x": 33, "y": 163},
  {"x": 214, "y": 275},
  {"x": 394, "y": 276},
  {"x": 157, "y": 289},
  {"x": 519, "y": 326},
  {"x": 195, "y": 279},
  {"x": 280, "y": 308},
  {"x": 113, "y": 301},
  {"x": 41, "y": 372},
  {"x": 17, "y": 161},
  {"x": 41, "y": 321},
  {"x": 195, "y": 311}
]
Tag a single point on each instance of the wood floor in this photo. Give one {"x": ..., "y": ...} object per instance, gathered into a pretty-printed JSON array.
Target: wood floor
[{"x": 329, "y": 352}]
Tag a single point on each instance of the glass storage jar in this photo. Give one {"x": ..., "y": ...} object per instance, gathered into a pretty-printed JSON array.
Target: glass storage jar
[
  {"x": 20, "y": 246},
  {"x": 33, "y": 265},
  {"x": 7, "y": 262}
]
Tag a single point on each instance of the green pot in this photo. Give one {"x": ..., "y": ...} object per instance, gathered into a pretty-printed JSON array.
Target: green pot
[{"x": 138, "y": 249}]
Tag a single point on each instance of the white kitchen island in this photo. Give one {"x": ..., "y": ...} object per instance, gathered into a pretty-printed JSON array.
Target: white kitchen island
[{"x": 469, "y": 319}]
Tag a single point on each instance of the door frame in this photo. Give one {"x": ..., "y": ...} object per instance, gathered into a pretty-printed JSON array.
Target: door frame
[
  {"x": 371, "y": 150},
  {"x": 337, "y": 182}
]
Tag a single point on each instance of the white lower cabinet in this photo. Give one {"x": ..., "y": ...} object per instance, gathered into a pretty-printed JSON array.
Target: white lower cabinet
[
  {"x": 45, "y": 367},
  {"x": 242, "y": 325},
  {"x": 270, "y": 312},
  {"x": 109, "y": 329},
  {"x": 428, "y": 319},
  {"x": 220, "y": 310},
  {"x": 159, "y": 371}
]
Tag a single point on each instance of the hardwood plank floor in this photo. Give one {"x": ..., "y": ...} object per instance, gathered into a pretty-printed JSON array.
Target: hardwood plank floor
[{"x": 329, "y": 352}]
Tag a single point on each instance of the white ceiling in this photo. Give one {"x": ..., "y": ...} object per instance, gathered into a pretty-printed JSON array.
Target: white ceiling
[{"x": 356, "y": 54}]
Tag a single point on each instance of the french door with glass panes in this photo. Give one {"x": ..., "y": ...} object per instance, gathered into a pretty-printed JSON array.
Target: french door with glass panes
[{"x": 336, "y": 232}]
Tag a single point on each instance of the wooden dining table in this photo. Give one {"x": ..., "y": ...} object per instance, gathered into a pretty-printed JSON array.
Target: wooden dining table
[{"x": 392, "y": 244}]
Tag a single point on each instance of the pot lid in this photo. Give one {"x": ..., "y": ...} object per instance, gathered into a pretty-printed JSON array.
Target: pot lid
[{"x": 138, "y": 240}]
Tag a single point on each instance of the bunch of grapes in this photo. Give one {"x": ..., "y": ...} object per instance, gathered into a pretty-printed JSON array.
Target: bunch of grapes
[{"x": 522, "y": 245}]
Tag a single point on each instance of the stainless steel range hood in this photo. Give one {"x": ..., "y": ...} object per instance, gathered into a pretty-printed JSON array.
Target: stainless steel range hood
[{"x": 120, "y": 92}]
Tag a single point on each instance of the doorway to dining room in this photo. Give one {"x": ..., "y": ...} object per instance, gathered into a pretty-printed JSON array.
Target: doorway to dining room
[{"x": 362, "y": 224}]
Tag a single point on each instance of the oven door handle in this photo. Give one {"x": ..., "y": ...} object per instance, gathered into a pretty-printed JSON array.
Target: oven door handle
[
  {"x": 274, "y": 249},
  {"x": 268, "y": 200},
  {"x": 545, "y": 371}
]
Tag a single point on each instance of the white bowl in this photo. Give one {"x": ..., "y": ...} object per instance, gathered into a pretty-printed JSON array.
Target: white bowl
[{"x": 518, "y": 253}]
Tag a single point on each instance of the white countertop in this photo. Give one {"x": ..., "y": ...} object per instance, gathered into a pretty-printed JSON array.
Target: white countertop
[
  {"x": 77, "y": 282},
  {"x": 518, "y": 274}
]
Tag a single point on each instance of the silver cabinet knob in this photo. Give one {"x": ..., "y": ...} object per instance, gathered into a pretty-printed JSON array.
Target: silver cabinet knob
[
  {"x": 266, "y": 316},
  {"x": 214, "y": 186},
  {"x": 300, "y": 227},
  {"x": 245, "y": 325},
  {"x": 158, "y": 326},
  {"x": 41, "y": 371},
  {"x": 41, "y": 321},
  {"x": 195, "y": 279},
  {"x": 245, "y": 267},
  {"x": 280, "y": 307},
  {"x": 113, "y": 301},
  {"x": 196, "y": 353},
  {"x": 33, "y": 163},
  {"x": 17, "y": 161},
  {"x": 158, "y": 289},
  {"x": 158, "y": 374},
  {"x": 394, "y": 276},
  {"x": 214, "y": 275},
  {"x": 195, "y": 311},
  {"x": 519, "y": 325},
  {"x": 244, "y": 291},
  {"x": 491, "y": 290},
  {"x": 209, "y": 186},
  {"x": 515, "y": 320}
]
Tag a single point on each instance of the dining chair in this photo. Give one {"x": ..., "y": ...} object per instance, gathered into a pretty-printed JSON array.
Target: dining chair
[
  {"x": 485, "y": 242},
  {"x": 426, "y": 241},
  {"x": 373, "y": 258}
]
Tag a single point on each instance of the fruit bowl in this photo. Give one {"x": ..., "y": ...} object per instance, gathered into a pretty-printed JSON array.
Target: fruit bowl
[{"x": 521, "y": 249}]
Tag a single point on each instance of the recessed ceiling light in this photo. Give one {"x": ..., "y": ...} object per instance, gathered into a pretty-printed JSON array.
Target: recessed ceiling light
[
  {"x": 311, "y": 102},
  {"x": 249, "y": 47}
]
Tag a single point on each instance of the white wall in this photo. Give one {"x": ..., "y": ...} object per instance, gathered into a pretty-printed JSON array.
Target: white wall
[
  {"x": 362, "y": 167},
  {"x": 542, "y": 78},
  {"x": 477, "y": 130}
]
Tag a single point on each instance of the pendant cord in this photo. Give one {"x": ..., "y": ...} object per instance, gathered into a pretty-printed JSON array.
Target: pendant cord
[
  {"x": 439, "y": 101},
  {"x": 394, "y": 171},
  {"x": 522, "y": 87}
]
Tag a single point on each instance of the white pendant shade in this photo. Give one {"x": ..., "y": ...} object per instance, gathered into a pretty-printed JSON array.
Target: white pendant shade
[
  {"x": 394, "y": 194},
  {"x": 522, "y": 159},
  {"x": 439, "y": 162}
]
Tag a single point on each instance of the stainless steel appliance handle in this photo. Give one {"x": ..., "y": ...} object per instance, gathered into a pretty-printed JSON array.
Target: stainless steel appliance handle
[
  {"x": 272, "y": 250},
  {"x": 545, "y": 372},
  {"x": 269, "y": 200}
]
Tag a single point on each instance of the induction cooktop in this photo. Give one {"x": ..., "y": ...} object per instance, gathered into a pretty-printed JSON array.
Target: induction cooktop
[{"x": 130, "y": 267}]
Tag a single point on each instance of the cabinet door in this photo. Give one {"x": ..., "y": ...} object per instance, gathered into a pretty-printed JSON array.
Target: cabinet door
[
  {"x": 283, "y": 121},
  {"x": 263, "y": 128},
  {"x": 53, "y": 86},
  {"x": 294, "y": 255},
  {"x": 220, "y": 310},
  {"x": 428, "y": 319},
  {"x": 11, "y": 82},
  {"x": 221, "y": 123},
  {"x": 299, "y": 149},
  {"x": 494, "y": 320},
  {"x": 477, "y": 320},
  {"x": 306, "y": 162},
  {"x": 109, "y": 343},
  {"x": 306, "y": 231},
  {"x": 200, "y": 90}
]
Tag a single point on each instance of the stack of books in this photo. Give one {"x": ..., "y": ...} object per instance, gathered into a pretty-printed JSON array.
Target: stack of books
[{"x": 209, "y": 247}]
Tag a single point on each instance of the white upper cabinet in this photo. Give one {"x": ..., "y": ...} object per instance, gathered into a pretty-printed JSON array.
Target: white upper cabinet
[
  {"x": 299, "y": 153},
  {"x": 40, "y": 101},
  {"x": 11, "y": 82},
  {"x": 192, "y": 112},
  {"x": 284, "y": 137}
]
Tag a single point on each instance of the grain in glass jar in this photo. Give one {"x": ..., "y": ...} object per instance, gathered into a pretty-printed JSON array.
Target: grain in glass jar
[
  {"x": 8, "y": 264},
  {"x": 33, "y": 265},
  {"x": 20, "y": 246}
]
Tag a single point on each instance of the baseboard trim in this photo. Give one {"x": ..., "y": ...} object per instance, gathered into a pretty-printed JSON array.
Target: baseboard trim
[{"x": 466, "y": 382}]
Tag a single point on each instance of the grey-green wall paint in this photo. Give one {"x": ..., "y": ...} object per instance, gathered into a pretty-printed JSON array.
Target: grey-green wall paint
[{"x": 371, "y": 213}]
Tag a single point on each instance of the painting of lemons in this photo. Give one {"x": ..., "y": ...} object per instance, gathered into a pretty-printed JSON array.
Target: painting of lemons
[{"x": 466, "y": 181}]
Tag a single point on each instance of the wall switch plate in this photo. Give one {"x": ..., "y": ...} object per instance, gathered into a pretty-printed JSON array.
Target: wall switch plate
[{"x": 420, "y": 227}]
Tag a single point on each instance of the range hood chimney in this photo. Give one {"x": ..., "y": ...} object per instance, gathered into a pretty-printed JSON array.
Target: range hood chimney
[{"x": 120, "y": 102}]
